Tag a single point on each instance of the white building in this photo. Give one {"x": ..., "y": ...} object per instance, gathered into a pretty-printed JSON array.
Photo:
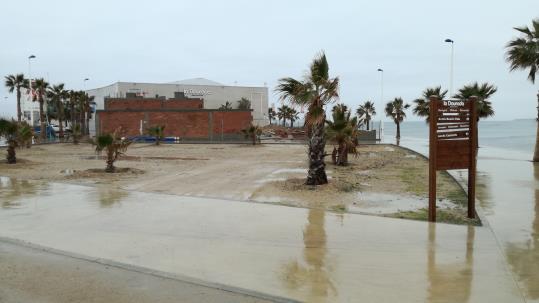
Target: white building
[{"x": 214, "y": 94}]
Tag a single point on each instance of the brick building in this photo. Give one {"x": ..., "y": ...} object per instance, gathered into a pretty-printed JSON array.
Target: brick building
[{"x": 185, "y": 118}]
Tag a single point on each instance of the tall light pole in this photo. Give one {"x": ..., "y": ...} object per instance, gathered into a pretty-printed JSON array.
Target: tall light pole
[
  {"x": 381, "y": 85},
  {"x": 31, "y": 89},
  {"x": 84, "y": 83},
  {"x": 451, "y": 67}
]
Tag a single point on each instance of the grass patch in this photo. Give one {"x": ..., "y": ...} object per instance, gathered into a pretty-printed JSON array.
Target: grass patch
[
  {"x": 414, "y": 180},
  {"x": 346, "y": 187},
  {"x": 451, "y": 216},
  {"x": 341, "y": 208},
  {"x": 457, "y": 196}
]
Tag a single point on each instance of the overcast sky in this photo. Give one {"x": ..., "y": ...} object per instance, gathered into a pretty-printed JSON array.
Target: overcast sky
[{"x": 253, "y": 42}]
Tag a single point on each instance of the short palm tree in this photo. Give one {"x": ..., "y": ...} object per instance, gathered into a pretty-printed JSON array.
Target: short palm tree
[
  {"x": 226, "y": 106},
  {"x": 365, "y": 112},
  {"x": 244, "y": 103},
  {"x": 57, "y": 94},
  {"x": 523, "y": 53},
  {"x": 395, "y": 110},
  {"x": 113, "y": 146},
  {"x": 343, "y": 132},
  {"x": 421, "y": 107},
  {"x": 315, "y": 91},
  {"x": 8, "y": 130},
  {"x": 158, "y": 132},
  {"x": 15, "y": 83},
  {"x": 483, "y": 92},
  {"x": 252, "y": 132},
  {"x": 41, "y": 86}
]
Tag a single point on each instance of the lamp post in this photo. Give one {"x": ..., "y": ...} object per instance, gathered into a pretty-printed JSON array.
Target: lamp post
[
  {"x": 381, "y": 85},
  {"x": 84, "y": 83},
  {"x": 451, "y": 67},
  {"x": 31, "y": 89}
]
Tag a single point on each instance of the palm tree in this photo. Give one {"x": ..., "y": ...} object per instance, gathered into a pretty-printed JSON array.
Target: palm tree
[
  {"x": 342, "y": 131},
  {"x": 483, "y": 92},
  {"x": 15, "y": 83},
  {"x": 8, "y": 129},
  {"x": 421, "y": 107},
  {"x": 226, "y": 106},
  {"x": 282, "y": 113},
  {"x": 523, "y": 53},
  {"x": 158, "y": 132},
  {"x": 315, "y": 91},
  {"x": 41, "y": 86},
  {"x": 57, "y": 94},
  {"x": 365, "y": 113},
  {"x": 293, "y": 115},
  {"x": 252, "y": 132},
  {"x": 395, "y": 110},
  {"x": 244, "y": 103},
  {"x": 114, "y": 146},
  {"x": 271, "y": 114}
]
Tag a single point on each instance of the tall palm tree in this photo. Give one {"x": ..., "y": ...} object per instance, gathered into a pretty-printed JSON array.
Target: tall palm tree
[
  {"x": 395, "y": 110},
  {"x": 365, "y": 112},
  {"x": 271, "y": 114},
  {"x": 282, "y": 113},
  {"x": 315, "y": 91},
  {"x": 523, "y": 53},
  {"x": 421, "y": 107},
  {"x": 293, "y": 115},
  {"x": 483, "y": 92},
  {"x": 41, "y": 86},
  {"x": 57, "y": 94},
  {"x": 342, "y": 131},
  {"x": 15, "y": 83}
]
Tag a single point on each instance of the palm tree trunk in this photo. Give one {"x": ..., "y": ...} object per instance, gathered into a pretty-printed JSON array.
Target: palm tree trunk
[
  {"x": 317, "y": 167},
  {"x": 19, "y": 113},
  {"x": 43, "y": 131},
  {"x": 536, "y": 153},
  {"x": 60, "y": 119},
  {"x": 110, "y": 161},
  {"x": 368, "y": 123},
  {"x": 11, "y": 156}
]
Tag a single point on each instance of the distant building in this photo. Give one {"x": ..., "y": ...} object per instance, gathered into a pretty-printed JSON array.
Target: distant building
[{"x": 213, "y": 94}]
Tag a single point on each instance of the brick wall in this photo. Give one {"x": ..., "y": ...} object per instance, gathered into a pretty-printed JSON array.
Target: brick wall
[
  {"x": 183, "y": 123},
  {"x": 147, "y": 103}
]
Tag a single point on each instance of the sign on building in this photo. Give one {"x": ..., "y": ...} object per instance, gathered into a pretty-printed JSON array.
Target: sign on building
[{"x": 452, "y": 144}]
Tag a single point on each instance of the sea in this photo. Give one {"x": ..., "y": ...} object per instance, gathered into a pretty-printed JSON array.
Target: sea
[{"x": 514, "y": 138}]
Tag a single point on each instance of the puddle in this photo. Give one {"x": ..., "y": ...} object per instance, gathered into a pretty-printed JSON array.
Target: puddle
[
  {"x": 385, "y": 203},
  {"x": 13, "y": 190},
  {"x": 410, "y": 156},
  {"x": 67, "y": 172},
  {"x": 140, "y": 158}
]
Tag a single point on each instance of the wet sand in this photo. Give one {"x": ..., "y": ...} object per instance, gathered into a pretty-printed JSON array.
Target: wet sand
[{"x": 382, "y": 180}]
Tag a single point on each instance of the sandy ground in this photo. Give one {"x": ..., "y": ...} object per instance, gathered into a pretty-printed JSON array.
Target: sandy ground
[
  {"x": 382, "y": 179},
  {"x": 32, "y": 275}
]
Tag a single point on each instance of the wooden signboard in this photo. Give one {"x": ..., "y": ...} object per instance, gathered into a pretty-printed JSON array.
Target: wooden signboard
[{"x": 452, "y": 144}]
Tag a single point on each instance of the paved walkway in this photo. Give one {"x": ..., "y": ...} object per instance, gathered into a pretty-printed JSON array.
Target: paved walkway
[
  {"x": 307, "y": 255},
  {"x": 34, "y": 275}
]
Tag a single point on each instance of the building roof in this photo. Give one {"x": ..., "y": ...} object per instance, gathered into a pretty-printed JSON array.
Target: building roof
[{"x": 197, "y": 81}]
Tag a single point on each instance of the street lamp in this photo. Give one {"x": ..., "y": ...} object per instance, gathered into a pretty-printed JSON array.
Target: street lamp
[
  {"x": 381, "y": 85},
  {"x": 451, "y": 67},
  {"x": 31, "y": 90},
  {"x": 84, "y": 83}
]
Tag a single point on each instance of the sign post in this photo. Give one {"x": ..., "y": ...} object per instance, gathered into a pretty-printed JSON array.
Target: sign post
[{"x": 452, "y": 144}]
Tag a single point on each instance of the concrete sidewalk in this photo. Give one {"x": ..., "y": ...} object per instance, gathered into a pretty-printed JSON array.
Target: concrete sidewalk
[{"x": 305, "y": 254}]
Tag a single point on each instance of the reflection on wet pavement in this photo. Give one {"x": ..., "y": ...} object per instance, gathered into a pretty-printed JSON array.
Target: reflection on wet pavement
[
  {"x": 308, "y": 255},
  {"x": 12, "y": 190},
  {"x": 311, "y": 275},
  {"x": 446, "y": 277}
]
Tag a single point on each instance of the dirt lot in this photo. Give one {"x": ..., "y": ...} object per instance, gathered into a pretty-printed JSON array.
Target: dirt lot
[{"x": 383, "y": 180}]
